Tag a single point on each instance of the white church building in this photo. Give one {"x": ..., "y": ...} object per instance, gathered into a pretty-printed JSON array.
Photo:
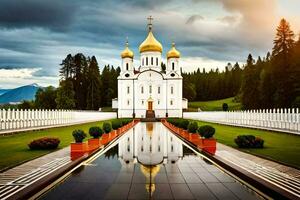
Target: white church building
[{"x": 147, "y": 91}]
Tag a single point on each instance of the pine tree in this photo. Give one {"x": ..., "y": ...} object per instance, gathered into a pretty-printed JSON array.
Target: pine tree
[
  {"x": 65, "y": 95},
  {"x": 94, "y": 86},
  {"x": 66, "y": 71}
]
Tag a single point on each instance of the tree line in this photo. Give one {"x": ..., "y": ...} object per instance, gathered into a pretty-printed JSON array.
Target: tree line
[
  {"x": 81, "y": 86},
  {"x": 269, "y": 82}
]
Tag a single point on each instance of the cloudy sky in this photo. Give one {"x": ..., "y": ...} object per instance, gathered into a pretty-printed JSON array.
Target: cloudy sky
[{"x": 35, "y": 35}]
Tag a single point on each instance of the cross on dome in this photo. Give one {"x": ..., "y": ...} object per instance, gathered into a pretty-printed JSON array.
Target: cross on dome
[{"x": 150, "y": 19}]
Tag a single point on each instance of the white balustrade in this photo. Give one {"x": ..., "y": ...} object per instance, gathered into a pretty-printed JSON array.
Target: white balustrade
[
  {"x": 20, "y": 119},
  {"x": 287, "y": 119}
]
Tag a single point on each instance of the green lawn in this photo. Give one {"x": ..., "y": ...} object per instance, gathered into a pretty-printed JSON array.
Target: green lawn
[
  {"x": 278, "y": 146},
  {"x": 14, "y": 149},
  {"x": 215, "y": 105}
]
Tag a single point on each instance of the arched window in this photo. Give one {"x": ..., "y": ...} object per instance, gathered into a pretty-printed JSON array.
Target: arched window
[
  {"x": 128, "y": 102},
  {"x": 173, "y": 66},
  {"x": 172, "y": 90},
  {"x": 128, "y": 90},
  {"x": 157, "y": 61},
  {"x": 171, "y": 102},
  {"x": 158, "y": 90},
  {"x": 150, "y": 89},
  {"x": 151, "y": 60},
  {"x": 142, "y": 90},
  {"x": 146, "y": 61},
  {"x": 127, "y": 67}
]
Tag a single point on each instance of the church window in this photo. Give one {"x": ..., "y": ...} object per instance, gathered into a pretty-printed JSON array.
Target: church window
[
  {"x": 150, "y": 89},
  {"x": 171, "y": 102},
  {"x": 151, "y": 60},
  {"x": 158, "y": 102},
  {"x": 128, "y": 102},
  {"x": 142, "y": 102},
  {"x": 172, "y": 90},
  {"x": 142, "y": 90},
  {"x": 173, "y": 66},
  {"x": 157, "y": 61},
  {"x": 128, "y": 90},
  {"x": 146, "y": 61},
  {"x": 127, "y": 67},
  {"x": 158, "y": 90}
]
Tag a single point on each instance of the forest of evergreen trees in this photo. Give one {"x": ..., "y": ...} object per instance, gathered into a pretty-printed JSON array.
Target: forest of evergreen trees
[{"x": 269, "y": 82}]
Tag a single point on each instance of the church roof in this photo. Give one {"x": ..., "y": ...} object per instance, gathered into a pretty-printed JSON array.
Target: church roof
[
  {"x": 173, "y": 53},
  {"x": 150, "y": 43},
  {"x": 127, "y": 53}
]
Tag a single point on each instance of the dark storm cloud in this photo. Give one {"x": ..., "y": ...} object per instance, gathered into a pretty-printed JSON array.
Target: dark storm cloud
[{"x": 54, "y": 14}]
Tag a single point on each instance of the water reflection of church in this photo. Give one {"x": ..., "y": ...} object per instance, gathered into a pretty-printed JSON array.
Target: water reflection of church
[{"x": 143, "y": 146}]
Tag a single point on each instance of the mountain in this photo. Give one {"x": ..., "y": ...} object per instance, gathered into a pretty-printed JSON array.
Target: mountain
[
  {"x": 19, "y": 94},
  {"x": 2, "y": 91}
]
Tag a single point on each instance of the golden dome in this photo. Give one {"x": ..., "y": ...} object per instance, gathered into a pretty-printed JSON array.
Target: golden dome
[
  {"x": 127, "y": 53},
  {"x": 173, "y": 53},
  {"x": 150, "y": 44}
]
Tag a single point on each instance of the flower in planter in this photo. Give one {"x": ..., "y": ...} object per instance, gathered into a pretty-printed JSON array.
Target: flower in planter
[
  {"x": 106, "y": 127},
  {"x": 193, "y": 127},
  {"x": 95, "y": 132},
  {"x": 206, "y": 131},
  {"x": 79, "y": 135}
]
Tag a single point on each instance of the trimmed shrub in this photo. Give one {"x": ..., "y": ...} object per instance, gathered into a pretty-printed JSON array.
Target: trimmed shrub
[
  {"x": 115, "y": 124},
  {"x": 193, "y": 127},
  {"x": 79, "y": 135},
  {"x": 125, "y": 121},
  {"x": 44, "y": 143},
  {"x": 249, "y": 141},
  {"x": 174, "y": 121},
  {"x": 106, "y": 127},
  {"x": 206, "y": 131},
  {"x": 225, "y": 107},
  {"x": 184, "y": 123},
  {"x": 95, "y": 131}
]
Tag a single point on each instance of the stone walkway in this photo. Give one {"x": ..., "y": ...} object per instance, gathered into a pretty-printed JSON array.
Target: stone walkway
[
  {"x": 282, "y": 176},
  {"x": 17, "y": 178}
]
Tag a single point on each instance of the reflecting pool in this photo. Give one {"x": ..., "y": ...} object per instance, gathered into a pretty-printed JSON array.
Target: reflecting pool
[{"x": 149, "y": 162}]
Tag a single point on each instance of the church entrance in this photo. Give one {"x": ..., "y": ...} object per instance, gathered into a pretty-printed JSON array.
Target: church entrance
[
  {"x": 150, "y": 112},
  {"x": 150, "y": 105}
]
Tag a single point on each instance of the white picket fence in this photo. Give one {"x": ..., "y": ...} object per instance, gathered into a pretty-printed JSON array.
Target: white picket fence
[
  {"x": 22, "y": 119},
  {"x": 287, "y": 120}
]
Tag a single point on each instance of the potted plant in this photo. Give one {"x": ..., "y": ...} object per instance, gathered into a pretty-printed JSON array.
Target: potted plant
[
  {"x": 192, "y": 129},
  {"x": 78, "y": 146},
  {"x": 107, "y": 129},
  {"x": 208, "y": 143},
  {"x": 96, "y": 133}
]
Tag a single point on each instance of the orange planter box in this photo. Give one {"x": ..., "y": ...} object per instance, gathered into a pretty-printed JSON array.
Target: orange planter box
[
  {"x": 94, "y": 143},
  {"x": 79, "y": 147},
  {"x": 209, "y": 145},
  {"x": 105, "y": 138}
]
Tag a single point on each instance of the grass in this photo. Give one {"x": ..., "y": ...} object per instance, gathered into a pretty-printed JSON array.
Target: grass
[
  {"x": 14, "y": 149},
  {"x": 215, "y": 105},
  {"x": 281, "y": 147}
]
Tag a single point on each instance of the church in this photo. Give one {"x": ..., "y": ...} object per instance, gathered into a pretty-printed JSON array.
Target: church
[{"x": 147, "y": 91}]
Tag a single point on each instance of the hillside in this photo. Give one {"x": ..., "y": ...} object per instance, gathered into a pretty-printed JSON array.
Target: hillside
[
  {"x": 19, "y": 94},
  {"x": 2, "y": 91},
  {"x": 215, "y": 105}
]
